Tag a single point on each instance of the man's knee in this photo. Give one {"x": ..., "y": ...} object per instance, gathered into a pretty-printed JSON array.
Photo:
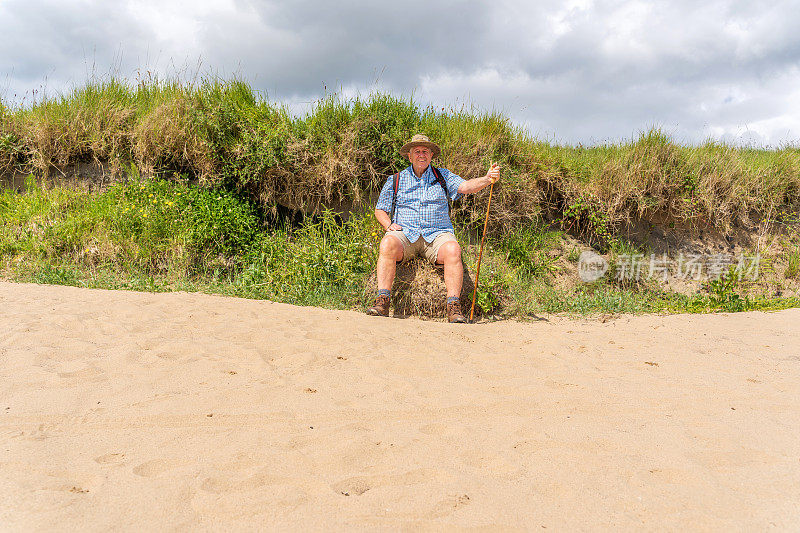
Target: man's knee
[
  {"x": 391, "y": 247},
  {"x": 450, "y": 252}
]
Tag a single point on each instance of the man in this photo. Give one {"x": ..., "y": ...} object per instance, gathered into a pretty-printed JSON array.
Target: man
[{"x": 421, "y": 224}]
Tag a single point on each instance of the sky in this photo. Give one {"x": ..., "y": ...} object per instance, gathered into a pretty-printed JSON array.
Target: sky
[{"x": 571, "y": 71}]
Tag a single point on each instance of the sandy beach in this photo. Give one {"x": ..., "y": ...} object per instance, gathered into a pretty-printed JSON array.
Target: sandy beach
[{"x": 134, "y": 411}]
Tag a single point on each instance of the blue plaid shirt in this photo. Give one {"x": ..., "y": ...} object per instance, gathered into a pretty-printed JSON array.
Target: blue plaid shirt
[{"x": 421, "y": 204}]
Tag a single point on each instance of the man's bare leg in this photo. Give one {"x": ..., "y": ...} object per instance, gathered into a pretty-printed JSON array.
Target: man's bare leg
[
  {"x": 389, "y": 253},
  {"x": 449, "y": 255}
]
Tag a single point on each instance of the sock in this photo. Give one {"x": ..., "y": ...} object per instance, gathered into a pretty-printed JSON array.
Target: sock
[
  {"x": 384, "y": 292},
  {"x": 451, "y": 299}
]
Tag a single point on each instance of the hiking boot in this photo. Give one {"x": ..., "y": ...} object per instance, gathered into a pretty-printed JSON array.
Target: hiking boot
[
  {"x": 380, "y": 307},
  {"x": 454, "y": 312}
]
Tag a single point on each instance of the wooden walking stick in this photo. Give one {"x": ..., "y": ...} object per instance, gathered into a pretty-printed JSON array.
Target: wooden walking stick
[{"x": 480, "y": 255}]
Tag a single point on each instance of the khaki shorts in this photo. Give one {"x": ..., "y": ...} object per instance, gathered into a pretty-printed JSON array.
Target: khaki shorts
[{"x": 420, "y": 247}]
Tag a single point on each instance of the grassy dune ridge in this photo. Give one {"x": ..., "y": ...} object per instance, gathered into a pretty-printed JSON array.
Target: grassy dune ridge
[{"x": 250, "y": 156}]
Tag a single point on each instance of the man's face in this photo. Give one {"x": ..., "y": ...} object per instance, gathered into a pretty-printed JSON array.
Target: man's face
[{"x": 420, "y": 157}]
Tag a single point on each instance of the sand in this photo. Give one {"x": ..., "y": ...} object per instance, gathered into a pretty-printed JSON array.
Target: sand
[{"x": 186, "y": 411}]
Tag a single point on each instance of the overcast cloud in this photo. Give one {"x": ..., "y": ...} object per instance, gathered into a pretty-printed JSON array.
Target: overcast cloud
[{"x": 574, "y": 71}]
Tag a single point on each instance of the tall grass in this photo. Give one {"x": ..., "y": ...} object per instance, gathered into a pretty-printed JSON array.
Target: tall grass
[
  {"x": 223, "y": 134},
  {"x": 164, "y": 235}
]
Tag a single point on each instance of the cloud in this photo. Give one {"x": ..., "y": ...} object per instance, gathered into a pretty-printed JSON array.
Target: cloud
[
  {"x": 295, "y": 48},
  {"x": 597, "y": 71},
  {"x": 59, "y": 43},
  {"x": 575, "y": 70}
]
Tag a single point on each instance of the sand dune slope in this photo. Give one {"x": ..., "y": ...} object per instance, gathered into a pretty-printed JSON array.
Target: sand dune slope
[{"x": 186, "y": 411}]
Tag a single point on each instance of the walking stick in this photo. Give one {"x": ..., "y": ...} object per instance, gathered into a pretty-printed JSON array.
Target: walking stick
[{"x": 480, "y": 255}]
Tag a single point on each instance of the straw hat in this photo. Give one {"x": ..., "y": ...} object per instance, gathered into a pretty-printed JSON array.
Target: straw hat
[{"x": 420, "y": 140}]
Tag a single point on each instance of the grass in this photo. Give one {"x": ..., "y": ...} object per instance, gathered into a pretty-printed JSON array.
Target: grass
[
  {"x": 222, "y": 162},
  {"x": 160, "y": 235},
  {"x": 222, "y": 133}
]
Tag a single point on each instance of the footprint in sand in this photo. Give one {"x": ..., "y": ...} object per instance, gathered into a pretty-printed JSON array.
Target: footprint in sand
[
  {"x": 354, "y": 486},
  {"x": 232, "y": 483},
  {"x": 434, "y": 429},
  {"x": 112, "y": 459},
  {"x": 89, "y": 373},
  {"x": 672, "y": 476},
  {"x": 178, "y": 352},
  {"x": 156, "y": 467},
  {"x": 155, "y": 398},
  {"x": 448, "y": 506},
  {"x": 42, "y": 432},
  {"x": 63, "y": 481},
  {"x": 358, "y": 485}
]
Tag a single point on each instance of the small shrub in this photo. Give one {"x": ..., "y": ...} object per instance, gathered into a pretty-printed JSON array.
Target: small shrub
[
  {"x": 792, "y": 265},
  {"x": 55, "y": 275},
  {"x": 723, "y": 292},
  {"x": 490, "y": 292},
  {"x": 574, "y": 254},
  {"x": 587, "y": 216},
  {"x": 158, "y": 218},
  {"x": 527, "y": 249}
]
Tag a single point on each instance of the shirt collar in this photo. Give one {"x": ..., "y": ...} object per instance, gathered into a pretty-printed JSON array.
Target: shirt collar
[{"x": 426, "y": 174}]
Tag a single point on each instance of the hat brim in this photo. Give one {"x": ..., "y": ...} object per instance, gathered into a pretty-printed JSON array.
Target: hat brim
[{"x": 433, "y": 147}]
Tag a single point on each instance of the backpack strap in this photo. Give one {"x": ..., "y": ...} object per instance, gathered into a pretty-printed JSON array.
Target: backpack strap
[
  {"x": 394, "y": 197},
  {"x": 440, "y": 179}
]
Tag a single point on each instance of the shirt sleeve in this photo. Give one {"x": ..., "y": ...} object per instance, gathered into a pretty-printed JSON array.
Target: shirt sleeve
[
  {"x": 453, "y": 182},
  {"x": 385, "y": 198}
]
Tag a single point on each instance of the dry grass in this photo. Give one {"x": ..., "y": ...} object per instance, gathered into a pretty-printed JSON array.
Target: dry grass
[
  {"x": 419, "y": 290},
  {"x": 222, "y": 134},
  {"x": 163, "y": 140}
]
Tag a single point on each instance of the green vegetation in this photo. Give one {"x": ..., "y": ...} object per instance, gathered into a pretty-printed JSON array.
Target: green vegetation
[
  {"x": 224, "y": 165},
  {"x": 162, "y": 235},
  {"x": 226, "y": 136}
]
